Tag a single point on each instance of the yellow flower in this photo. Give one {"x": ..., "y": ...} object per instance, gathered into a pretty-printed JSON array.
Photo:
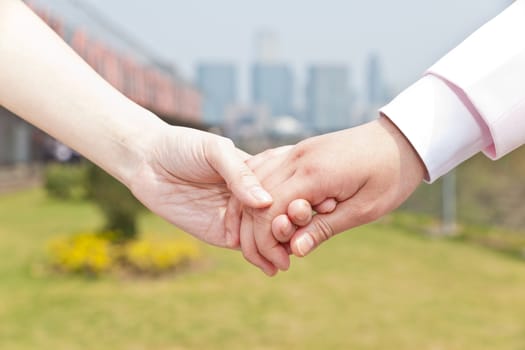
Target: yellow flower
[
  {"x": 96, "y": 253},
  {"x": 84, "y": 252},
  {"x": 156, "y": 256}
]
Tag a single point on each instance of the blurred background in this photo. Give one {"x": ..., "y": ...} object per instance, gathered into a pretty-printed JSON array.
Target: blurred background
[{"x": 86, "y": 267}]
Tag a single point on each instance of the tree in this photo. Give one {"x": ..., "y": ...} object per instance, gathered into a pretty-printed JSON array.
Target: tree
[{"x": 119, "y": 207}]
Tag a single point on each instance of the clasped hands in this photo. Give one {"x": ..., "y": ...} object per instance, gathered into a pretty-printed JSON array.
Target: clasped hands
[
  {"x": 208, "y": 188},
  {"x": 349, "y": 178}
]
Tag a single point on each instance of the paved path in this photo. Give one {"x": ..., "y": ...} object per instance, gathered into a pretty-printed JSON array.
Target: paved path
[{"x": 18, "y": 177}]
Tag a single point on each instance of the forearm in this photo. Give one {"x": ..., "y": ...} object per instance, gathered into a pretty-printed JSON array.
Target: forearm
[{"x": 45, "y": 82}]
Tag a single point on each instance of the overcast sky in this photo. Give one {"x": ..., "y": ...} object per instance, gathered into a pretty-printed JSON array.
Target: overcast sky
[{"x": 409, "y": 35}]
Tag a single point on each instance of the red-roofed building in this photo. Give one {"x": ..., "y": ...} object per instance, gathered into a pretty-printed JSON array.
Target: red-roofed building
[{"x": 142, "y": 78}]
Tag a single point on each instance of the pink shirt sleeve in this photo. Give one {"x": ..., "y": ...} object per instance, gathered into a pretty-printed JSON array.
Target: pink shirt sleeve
[
  {"x": 474, "y": 97},
  {"x": 438, "y": 124}
]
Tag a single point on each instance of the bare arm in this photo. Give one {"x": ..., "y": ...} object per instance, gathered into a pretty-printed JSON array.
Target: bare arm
[
  {"x": 45, "y": 82},
  {"x": 183, "y": 175}
]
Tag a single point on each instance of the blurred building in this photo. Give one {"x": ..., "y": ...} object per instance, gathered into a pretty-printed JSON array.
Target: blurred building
[
  {"x": 376, "y": 89},
  {"x": 15, "y": 139},
  {"x": 377, "y": 93},
  {"x": 328, "y": 98},
  {"x": 266, "y": 47},
  {"x": 272, "y": 81},
  {"x": 218, "y": 85},
  {"x": 272, "y": 88},
  {"x": 246, "y": 126},
  {"x": 286, "y": 130},
  {"x": 126, "y": 64}
]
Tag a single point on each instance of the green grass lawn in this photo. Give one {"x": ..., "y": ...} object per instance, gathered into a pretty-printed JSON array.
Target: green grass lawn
[{"x": 378, "y": 287}]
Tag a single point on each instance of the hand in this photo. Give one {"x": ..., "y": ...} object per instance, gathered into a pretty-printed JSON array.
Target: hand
[
  {"x": 298, "y": 213},
  {"x": 187, "y": 177},
  {"x": 369, "y": 170}
]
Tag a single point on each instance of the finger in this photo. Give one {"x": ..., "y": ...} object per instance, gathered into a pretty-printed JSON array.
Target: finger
[
  {"x": 243, "y": 154},
  {"x": 232, "y": 222},
  {"x": 288, "y": 248},
  {"x": 353, "y": 212},
  {"x": 272, "y": 250},
  {"x": 273, "y": 170},
  {"x": 225, "y": 159},
  {"x": 300, "y": 212},
  {"x": 259, "y": 159},
  {"x": 249, "y": 249},
  {"x": 327, "y": 206},
  {"x": 267, "y": 244},
  {"x": 283, "y": 228}
]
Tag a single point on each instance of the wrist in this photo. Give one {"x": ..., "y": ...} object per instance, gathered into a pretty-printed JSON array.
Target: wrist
[
  {"x": 410, "y": 163},
  {"x": 439, "y": 124},
  {"x": 131, "y": 142}
]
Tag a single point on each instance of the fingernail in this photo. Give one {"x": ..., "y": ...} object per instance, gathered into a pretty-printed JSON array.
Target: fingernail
[
  {"x": 261, "y": 195},
  {"x": 304, "y": 244}
]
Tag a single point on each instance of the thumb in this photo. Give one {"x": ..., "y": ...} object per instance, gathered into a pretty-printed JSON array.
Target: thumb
[
  {"x": 353, "y": 212},
  {"x": 229, "y": 162}
]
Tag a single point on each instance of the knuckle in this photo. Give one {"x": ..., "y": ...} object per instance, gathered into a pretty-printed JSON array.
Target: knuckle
[
  {"x": 324, "y": 230},
  {"x": 298, "y": 153},
  {"x": 309, "y": 169},
  {"x": 284, "y": 235},
  {"x": 281, "y": 236},
  {"x": 225, "y": 142},
  {"x": 299, "y": 209},
  {"x": 368, "y": 212},
  {"x": 301, "y": 218},
  {"x": 217, "y": 145},
  {"x": 233, "y": 244},
  {"x": 262, "y": 217},
  {"x": 266, "y": 251},
  {"x": 300, "y": 150},
  {"x": 250, "y": 255},
  {"x": 245, "y": 175},
  {"x": 212, "y": 148},
  {"x": 269, "y": 153}
]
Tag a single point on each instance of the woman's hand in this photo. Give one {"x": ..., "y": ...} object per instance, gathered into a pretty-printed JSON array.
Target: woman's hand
[{"x": 187, "y": 177}]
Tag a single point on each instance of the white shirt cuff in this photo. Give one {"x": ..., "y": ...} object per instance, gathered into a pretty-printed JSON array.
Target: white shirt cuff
[{"x": 438, "y": 125}]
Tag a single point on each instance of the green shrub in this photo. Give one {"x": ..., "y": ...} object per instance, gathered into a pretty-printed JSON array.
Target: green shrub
[
  {"x": 65, "y": 181},
  {"x": 119, "y": 207},
  {"x": 488, "y": 192},
  {"x": 87, "y": 181}
]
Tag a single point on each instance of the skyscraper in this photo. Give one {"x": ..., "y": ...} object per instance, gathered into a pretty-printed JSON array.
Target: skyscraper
[
  {"x": 218, "y": 84},
  {"x": 328, "y": 98},
  {"x": 376, "y": 88},
  {"x": 272, "y": 88},
  {"x": 266, "y": 46}
]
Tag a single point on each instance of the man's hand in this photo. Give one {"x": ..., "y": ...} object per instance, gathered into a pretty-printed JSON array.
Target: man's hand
[{"x": 369, "y": 171}]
